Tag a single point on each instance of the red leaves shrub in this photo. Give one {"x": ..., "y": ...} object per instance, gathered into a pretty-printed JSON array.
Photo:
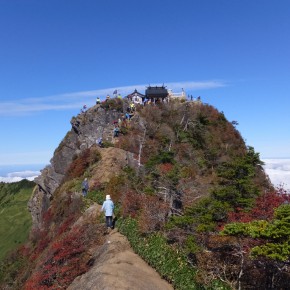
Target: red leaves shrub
[
  {"x": 47, "y": 217},
  {"x": 82, "y": 162},
  {"x": 165, "y": 167},
  {"x": 153, "y": 214},
  {"x": 263, "y": 209},
  {"x": 64, "y": 260},
  {"x": 79, "y": 165},
  {"x": 66, "y": 225},
  {"x": 42, "y": 240},
  {"x": 131, "y": 203},
  {"x": 151, "y": 211}
]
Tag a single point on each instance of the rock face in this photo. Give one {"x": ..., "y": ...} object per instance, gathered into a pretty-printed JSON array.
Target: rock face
[
  {"x": 119, "y": 268},
  {"x": 87, "y": 127}
]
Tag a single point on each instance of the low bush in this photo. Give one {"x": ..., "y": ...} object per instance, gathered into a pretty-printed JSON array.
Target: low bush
[
  {"x": 96, "y": 196},
  {"x": 169, "y": 262}
]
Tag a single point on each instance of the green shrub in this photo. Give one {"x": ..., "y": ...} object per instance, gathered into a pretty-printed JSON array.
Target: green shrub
[
  {"x": 161, "y": 157},
  {"x": 169, "y": 262},
  {"x": 107, "y": 144},
  {"x": 275, "y": 233},
  {"x": 96, "y": 196},
  {"x": 202, "y": 216}
]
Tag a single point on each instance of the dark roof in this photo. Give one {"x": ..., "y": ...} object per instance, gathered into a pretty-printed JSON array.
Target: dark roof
[{"x": 156, "y": 92}]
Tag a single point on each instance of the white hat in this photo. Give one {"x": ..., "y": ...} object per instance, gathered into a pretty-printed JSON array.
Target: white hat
[{"x": 108, "y": 197}]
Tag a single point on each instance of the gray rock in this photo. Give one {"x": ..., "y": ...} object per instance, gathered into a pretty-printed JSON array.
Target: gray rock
[{"x": 86, "y": 128}]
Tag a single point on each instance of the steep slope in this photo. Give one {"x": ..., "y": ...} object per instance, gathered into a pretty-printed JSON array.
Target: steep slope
[
  {"x": 86, "y": 129},
  {"x": 177, "y": 173},
  {"x": 15, "y": 220}
]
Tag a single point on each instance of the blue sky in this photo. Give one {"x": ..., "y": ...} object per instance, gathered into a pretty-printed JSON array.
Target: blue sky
[{"x": 57, "y": 55}]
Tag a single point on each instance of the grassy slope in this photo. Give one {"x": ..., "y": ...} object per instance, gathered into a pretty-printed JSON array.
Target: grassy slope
[{"x": 15, "y": 219}]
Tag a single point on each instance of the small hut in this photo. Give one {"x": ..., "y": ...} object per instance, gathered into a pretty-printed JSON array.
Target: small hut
[{"x": 136, "y": 97}]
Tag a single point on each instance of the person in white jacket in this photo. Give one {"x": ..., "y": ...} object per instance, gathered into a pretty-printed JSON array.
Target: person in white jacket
[{"x": 108, "y": 208}]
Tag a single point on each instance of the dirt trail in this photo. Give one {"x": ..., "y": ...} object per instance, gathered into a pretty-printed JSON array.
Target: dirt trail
[{"x": 117, "y": 267}]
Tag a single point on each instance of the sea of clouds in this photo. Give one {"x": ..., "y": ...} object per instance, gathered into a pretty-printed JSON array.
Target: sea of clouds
[
  {"x": 278, "y": 171},
  {"x": 17, "y": 176},
  {"x": 15, "y": 173}
]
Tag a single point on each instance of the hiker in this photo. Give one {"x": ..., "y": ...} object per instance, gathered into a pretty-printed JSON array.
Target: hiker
[
  {"x": 115, "y": 93},
  {"x": 98, "y": 101},
  {"x": 83, "y": 109},
  {"x": 119, "y": 96},
  {"x": 127, "y": 116},
  {"x": 108, "y": 97},
  {"x": 108, "y": 208},
  {"x": 85, "y": 187},
  {"x": 132, "y": 107},
  {"x": 100, "y": 141},
  {"x": 116, "y": 131}
]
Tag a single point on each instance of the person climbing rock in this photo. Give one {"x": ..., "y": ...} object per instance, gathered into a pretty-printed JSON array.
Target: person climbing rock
[
  {"x": 84, "y": 109},
  {"x": 116, "y": 131},
  {"x": 85, "y": 187},
  {"x": 98, "y": 101},
  {"x": 100, "y": 142},
  {"x": 108, "y": 207},
  {"x": 127, "y": 116}
]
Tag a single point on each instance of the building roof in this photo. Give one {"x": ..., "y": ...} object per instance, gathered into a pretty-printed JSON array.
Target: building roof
[
  {"x": 136, "y": 94},
  {"x": 156, "y": 92}
]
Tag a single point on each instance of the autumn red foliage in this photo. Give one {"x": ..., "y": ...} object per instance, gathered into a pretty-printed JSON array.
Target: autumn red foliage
[
  {"x": 64, "y": 259},
  {"x": 263, "y": 209},
  {"x": 131, "y": 203},
  {"x": 153, "y": 214},
  {"x": 165, "y": 167}
]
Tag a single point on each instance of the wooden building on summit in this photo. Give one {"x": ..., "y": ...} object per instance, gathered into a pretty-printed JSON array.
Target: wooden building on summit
[
  {"x": 156, "y": 93},
  {"x": 152, "y": 94}
]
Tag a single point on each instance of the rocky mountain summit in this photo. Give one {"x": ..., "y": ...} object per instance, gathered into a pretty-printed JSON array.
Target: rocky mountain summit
[
  {"x": 87, "y": 127},
  {"x": 183, "y": 182}
]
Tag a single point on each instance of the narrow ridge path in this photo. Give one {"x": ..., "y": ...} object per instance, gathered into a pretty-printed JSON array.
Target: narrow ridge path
[{"x": 117, "y": 267}]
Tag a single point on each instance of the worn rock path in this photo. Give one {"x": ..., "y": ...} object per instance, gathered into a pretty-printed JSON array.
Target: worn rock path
[{"x": 117, "y": 267}]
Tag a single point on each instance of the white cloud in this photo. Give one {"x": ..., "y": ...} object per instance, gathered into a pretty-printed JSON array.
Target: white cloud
[
  {"x": 17, "y": 176},
  {"x": 23, "y": 174},
  {"x": 72, "y": 100},
  {"x": 279, "y": 172},
  {"x": 15, "y": 179}
]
